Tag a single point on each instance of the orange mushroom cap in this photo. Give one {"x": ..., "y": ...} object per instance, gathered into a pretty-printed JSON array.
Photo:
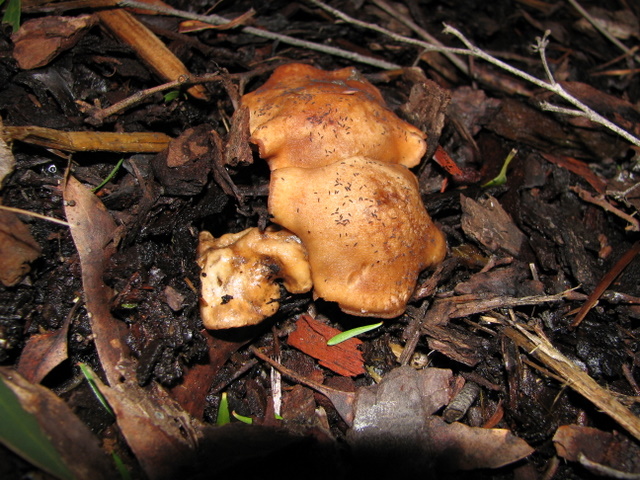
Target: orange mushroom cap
[
  {"x": 239, "y": 273},
  {"x": 306, "y": 117},
  {"x": 366, "y": 230}
]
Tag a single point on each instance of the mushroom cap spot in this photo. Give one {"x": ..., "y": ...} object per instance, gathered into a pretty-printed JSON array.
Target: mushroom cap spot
[
  {"x": 306, "y": 117},
  {"x": 366, "y": 230},
  {"x": 239, "y": 273}
]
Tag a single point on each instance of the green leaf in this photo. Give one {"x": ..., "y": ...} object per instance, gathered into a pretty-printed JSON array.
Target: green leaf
[
  {"x": 171, "y": 95},
  {"x": 20, "y": 432},
  {"x": 12, "y": 14},
  {"x": 501, "y": 178},
  {"x": 346, "y": 335},
  {"x": 223, "y": 411},
  {"x": 242, "y": 418},
  {"x": 88, "y": 374}
]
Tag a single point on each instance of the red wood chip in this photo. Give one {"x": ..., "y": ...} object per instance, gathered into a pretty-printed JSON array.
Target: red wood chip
[{"x": 311, "y": 338}]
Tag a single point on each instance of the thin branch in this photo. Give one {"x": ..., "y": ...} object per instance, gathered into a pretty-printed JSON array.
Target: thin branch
[
  {"x": 218, "y": 20},
  {"x": 33, "y": 214},
  {"x": 602, "y": 29},
  {"x": 457, "y": 61},
  {"x": 99, "y": 114},
  {"x": 541, "y": 48}
]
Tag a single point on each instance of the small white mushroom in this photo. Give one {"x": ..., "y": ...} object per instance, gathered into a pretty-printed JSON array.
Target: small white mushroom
[{"x": 239, "y": 273}]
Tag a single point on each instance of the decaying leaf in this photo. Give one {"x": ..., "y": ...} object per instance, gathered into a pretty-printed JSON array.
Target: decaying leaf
[
  {"x": 17, "y": 249},
  {"x": 610, "y": 449},
  {"x": 43, "y": 352},
  {"x": 395, "y": 424},
  {"x": 40, "y": 40}
]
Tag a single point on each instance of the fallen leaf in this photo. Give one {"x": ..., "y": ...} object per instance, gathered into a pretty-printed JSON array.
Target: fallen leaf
[
  {"x": 94, "y": 233},
  {"x": 40, "y": 40},
  {"x": 17, "y": 249},
  {"x": 395, "y": 424},
  {"x": 605, "y": 448},
  {"x": 43, "y": 352}
]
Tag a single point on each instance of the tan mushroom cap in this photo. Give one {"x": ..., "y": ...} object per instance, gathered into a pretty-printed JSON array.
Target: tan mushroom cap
[
  {"x": 366, "y": 230},
  {"x": 239, "y": 273},
  {"x": 306, "y": 117}
]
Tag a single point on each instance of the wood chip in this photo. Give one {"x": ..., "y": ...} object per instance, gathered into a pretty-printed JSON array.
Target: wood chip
[{"x": 311, "y": 338}]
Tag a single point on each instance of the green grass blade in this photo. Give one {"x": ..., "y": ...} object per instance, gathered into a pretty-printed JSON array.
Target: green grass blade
[
  {"x": 88, "y": 374},
  {"x": 123, "y": 471},
  {"x": 112, "y": 174},
  {"x": 346, "y": 335},
  {"x": 223, "y": 411},
  {"x": 21, "y": 433},
  {"x": 242, "y": 418}
]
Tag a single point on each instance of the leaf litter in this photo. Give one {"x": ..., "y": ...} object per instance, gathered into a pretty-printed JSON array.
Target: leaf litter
[{"x": 163, "y": 373}]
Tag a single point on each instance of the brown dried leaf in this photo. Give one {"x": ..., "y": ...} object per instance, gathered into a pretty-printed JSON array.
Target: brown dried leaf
[
  {"x": 43, "y": 352},
  {"x": 394, "y": 423},
  {"x": 601, "y": 447},
  {"x": 40, "y": 40},
  {"x": 17, "y": 249},
  {"x": 94, "y": 233}
]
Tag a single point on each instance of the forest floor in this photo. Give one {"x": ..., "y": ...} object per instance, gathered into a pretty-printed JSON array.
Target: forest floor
[{"x": 517, "y": 356}]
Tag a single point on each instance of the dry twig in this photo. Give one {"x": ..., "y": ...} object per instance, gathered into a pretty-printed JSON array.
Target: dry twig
[{"x": 540, "y": 348}]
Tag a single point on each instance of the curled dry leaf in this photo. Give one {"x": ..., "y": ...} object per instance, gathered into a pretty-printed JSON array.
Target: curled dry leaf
[
  {"x": 17, "y": 249},
  {"x": 395, "y": 420},
  {"x": 40, "y": 40}
]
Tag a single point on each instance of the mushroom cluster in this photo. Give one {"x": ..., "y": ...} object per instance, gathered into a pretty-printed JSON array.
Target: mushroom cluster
[{"x": 341, "y": 184}]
